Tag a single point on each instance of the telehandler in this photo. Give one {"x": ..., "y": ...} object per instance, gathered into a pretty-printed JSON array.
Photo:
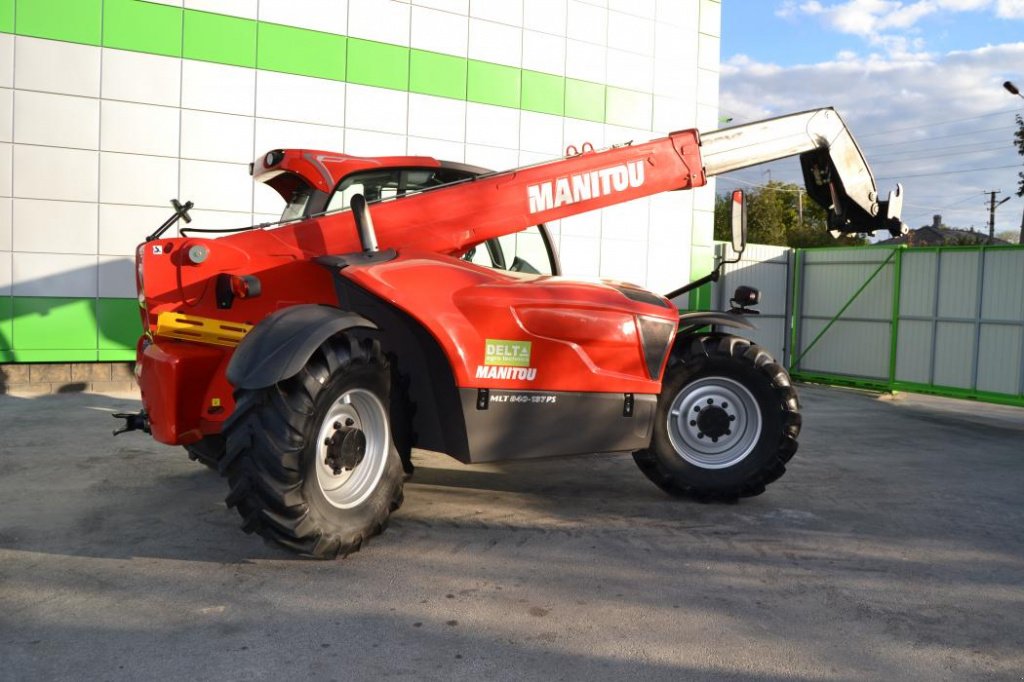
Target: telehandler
[{"x": 408, "y": 302}]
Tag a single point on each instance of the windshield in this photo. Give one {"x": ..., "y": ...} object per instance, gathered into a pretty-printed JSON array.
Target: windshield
[
  {"x": 388, "y": 183},
  {"x": 297, "y": 203}
]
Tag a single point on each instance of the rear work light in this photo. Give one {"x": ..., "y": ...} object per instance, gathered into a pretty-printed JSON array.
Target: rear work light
[{"x": 230, "y": 287}]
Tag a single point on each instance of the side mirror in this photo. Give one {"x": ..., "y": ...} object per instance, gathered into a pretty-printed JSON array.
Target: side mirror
[{"x": 739, "y": 221}]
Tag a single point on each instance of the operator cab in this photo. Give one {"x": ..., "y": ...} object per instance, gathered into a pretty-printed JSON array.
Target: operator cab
[{"x": 530, "y": 251}]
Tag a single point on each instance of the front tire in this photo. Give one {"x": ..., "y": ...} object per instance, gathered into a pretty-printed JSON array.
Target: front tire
[
  {"x": 311, "y": 461},
  {"x": 726, "y": 424}
]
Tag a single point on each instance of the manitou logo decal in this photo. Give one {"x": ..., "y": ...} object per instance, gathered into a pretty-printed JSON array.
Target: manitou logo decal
[
  {"x": 509, "y": 373},
  {"x": 504, "y": 359},
  {"x": 575, "y": 188}
]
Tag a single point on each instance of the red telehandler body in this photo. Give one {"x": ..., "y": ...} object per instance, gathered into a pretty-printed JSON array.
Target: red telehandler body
[{"x": 306, "y": 359}]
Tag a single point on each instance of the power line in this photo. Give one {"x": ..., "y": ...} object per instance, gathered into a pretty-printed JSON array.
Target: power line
[
  {"x": 972, "y": 195},
  {"x": 941, "y": 123},
  {"x": 942, "y": 137},
  {"x": 900, "y": 158},
  {"x": 937, "y": 147},
  {"x": 961, "y": 170},
  {"x": 754, "y": 184}
]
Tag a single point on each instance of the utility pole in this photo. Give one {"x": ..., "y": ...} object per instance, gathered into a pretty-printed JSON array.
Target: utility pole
[
  {"x": 1013, "y": 90},
  {"x": 992, "y": 206}
]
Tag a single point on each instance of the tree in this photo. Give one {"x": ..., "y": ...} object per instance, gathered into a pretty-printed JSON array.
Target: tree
[{"x": 773, "y": 217}]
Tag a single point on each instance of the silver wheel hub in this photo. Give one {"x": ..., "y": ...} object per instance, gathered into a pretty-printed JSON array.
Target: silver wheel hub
[
  {"x": 352, "y": 448},
  {"x": 714, "y": 423}
]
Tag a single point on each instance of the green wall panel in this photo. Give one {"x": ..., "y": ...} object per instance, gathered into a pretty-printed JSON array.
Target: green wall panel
[
  {"x": 41, "y": 329},
  {"x": 54, "y": 324},
  {"x": 55, "y": 356},
  {"x": 219, "y": 38},
  {"x": 584, "y": 100},
  {"x": 702, "y": 260},
  {"x": 6, "y": 327},
  {"x": 378, "y": 64},
  {"x": 160, "y": 29},
  {"x": 142, "y": 27},
  {"x": 115, "y": 355},
  {"x": 301, "y": 51},
  {"x": 493, "y": 84},
  {"x": 6, "y": 16},
  {"x": 543, "y": 93},
  {"x": 431, "y": 73},
  {"x": 118, "y": 323},
  {"x": 76, "y": 21}
]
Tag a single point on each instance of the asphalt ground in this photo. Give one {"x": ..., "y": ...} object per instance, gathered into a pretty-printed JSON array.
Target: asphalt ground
[{"x": 893, "y": 549}]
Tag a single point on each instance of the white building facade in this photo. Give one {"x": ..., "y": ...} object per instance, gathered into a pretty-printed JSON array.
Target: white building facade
[{"x": 110, "y": 108}]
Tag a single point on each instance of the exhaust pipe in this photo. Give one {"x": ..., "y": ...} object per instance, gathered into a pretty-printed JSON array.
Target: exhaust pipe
[{"x": 364, "y": 224}]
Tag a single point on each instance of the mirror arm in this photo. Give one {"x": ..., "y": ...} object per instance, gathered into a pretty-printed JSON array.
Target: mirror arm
[{"x": 696, "y": 284}]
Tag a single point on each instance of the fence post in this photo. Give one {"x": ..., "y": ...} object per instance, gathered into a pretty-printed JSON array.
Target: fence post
[
  {"x": 797, "y": 308},
  {"x": 894, "y": 330}
]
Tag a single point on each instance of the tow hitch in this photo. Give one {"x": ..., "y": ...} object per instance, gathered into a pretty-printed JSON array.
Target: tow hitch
[{"x": 132, "y": 421}]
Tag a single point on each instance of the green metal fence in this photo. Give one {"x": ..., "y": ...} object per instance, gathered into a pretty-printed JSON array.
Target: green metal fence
[{"x": 947, "y": 321}]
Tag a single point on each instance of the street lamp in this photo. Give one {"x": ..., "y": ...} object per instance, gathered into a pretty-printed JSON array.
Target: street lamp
[{"x": 1012, "y": 89}]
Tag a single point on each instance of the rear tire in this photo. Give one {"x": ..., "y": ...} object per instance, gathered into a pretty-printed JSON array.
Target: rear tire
[
  {"x": 726, "y": 424},
  {"x": 285, "y": 482}
]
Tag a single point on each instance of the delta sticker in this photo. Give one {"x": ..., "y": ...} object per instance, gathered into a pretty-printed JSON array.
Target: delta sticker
[{"x": 504, "y": 353}]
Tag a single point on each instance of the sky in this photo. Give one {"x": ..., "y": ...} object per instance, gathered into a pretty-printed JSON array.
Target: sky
[{"x": 919, "y": 83}]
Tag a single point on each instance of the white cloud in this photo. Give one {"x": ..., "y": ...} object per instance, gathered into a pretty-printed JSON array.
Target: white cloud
[
  {"x": 908, "y": 114},
  {"x": 1010, "y": 9},
  {"x": 890, "y": 24}
]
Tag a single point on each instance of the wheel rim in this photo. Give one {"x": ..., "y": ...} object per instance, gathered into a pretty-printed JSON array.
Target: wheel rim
[
  {"x": 357, "y": 409},
  {"x": 714, "y": 423}
]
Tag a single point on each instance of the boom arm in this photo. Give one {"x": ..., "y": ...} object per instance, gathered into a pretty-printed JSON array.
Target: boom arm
[
  {"x": 835, "y": 172},
  {"x": 452, "y": 218}
]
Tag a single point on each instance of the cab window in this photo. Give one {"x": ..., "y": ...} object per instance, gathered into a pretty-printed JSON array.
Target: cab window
[
  {"x": 527, "y": 252},
  {"x": 376, "y": 185}
]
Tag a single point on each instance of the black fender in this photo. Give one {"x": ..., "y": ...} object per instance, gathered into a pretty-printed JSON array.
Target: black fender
[
  {"x": 703, "y": 318},
  {"x": 281, "y": 344}
]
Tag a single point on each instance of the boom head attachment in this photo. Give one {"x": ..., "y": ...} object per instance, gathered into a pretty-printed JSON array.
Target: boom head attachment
[
  {"x": 848, "y": 211},
  {"x": 835, "y": 172}
]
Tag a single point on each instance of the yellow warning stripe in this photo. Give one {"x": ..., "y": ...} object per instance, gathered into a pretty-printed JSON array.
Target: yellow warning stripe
[{"x": 200, "y": 329}]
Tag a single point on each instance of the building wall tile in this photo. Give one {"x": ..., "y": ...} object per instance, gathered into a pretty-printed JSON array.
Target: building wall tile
[
  {"x": 55, "y": 173},
  {"x": 495, "y": 43},
  {"x": 218, "y": 186},
  {"x": 137, "y": 179},
  {"x": 435, "y": 117},
  {"x": 440, "y": 31},
  {"x": 138, "y": 77},
  {"x": 139, "y": 129},
  {"x": 51, "y": 66},
  {"x": 376, "y": 109},
  {"x": 216, "y": 137},
  {"x": 218, "y": 87},
  {"x": 330, "y": 16},
  {"x": 54, "y": 274},
  {"x": 56, "y": 120},
  {"x": 46, "y": 226}
]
